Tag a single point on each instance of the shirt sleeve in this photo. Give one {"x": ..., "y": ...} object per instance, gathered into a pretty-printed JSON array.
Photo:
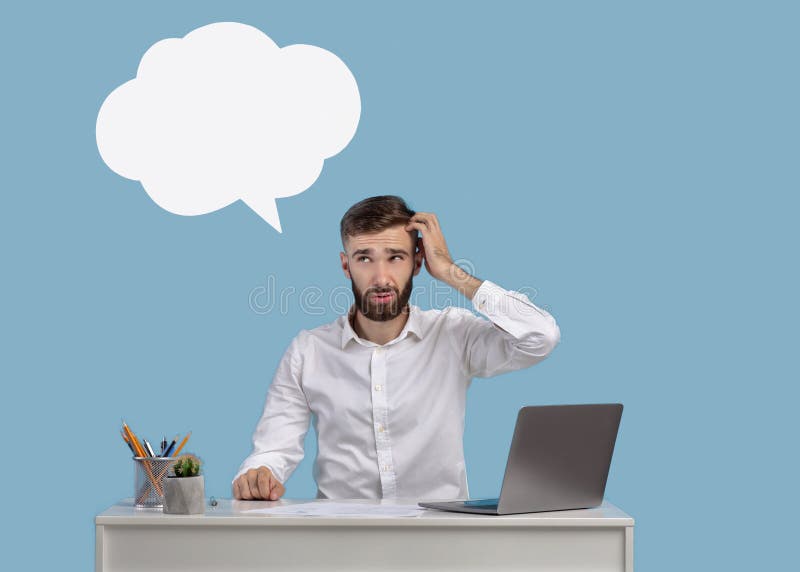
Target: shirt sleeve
[
  {"x": 278, "y": 438},
  {"x": 518, "y": 334}
]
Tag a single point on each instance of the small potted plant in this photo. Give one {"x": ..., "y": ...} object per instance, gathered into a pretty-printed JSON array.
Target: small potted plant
[{"x": 184, "y": 492}]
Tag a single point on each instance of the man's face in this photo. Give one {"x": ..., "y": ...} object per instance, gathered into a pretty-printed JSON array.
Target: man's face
[{"x": 381, "y": 267}]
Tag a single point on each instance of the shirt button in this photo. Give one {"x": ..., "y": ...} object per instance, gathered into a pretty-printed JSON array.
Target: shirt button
[
  {"x": 380, "y": 428},
  {"x": 378, "y": 387},
  {"x": 378, "y": 350}
]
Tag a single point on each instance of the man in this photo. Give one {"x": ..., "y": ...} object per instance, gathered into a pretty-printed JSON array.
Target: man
[{"x": 386, "y": 384}]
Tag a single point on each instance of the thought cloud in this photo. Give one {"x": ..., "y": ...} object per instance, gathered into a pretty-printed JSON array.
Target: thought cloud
[{"x": 224, "y": 114}]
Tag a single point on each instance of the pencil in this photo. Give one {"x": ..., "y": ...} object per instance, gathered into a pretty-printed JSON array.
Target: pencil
[
  {"x": 141, "y": 453},
  {"x": 127, "y": 441},
  {"x": 178, "y": 450},
  {"x": 132, "y": 440}
]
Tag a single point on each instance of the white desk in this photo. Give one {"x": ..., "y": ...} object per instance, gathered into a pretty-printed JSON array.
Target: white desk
[{"x": 226, "y": 539}]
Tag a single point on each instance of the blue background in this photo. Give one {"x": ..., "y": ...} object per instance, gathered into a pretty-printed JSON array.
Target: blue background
[{"x": 634, "y": 163}]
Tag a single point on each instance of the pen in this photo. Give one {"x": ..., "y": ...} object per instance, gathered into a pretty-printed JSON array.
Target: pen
[
  {"x": 171, "y": 447},
  {"x": 163, "y": 445},
  {"x": 148, "y": 448},
  {"x": 183, "y": 443}
]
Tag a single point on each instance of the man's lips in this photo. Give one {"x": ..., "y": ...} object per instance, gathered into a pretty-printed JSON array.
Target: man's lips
[{"x": 382, "y": 297}]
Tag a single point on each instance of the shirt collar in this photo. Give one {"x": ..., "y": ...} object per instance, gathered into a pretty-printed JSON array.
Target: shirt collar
[{"x": 413, "y": 326}]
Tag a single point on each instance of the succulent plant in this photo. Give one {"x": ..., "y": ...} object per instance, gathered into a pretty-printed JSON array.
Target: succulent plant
[{"x": 187, "y": 465}]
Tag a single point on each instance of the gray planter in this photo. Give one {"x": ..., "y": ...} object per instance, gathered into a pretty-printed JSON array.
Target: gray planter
[{"x": 184, "y": 495}]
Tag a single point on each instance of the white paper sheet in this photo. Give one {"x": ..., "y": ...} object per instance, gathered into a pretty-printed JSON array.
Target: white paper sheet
[{"x": 341, "y": 509}]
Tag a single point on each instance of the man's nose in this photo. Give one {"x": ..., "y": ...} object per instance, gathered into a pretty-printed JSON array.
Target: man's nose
[{"x": 381, "y": 276}]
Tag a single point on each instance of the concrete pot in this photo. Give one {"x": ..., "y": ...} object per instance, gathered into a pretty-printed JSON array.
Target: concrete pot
[{"x": 184, "y": 495}]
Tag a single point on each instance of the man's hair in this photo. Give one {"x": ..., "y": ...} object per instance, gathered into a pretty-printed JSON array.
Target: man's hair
[{"x": 374, "y": 215}]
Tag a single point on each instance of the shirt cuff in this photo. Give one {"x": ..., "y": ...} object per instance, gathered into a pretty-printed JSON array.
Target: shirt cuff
[
  {"x": 511, "y": 311},
  {"x": 487, "y": 297}
]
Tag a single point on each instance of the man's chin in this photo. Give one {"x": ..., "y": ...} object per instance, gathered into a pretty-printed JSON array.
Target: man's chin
[
  {"x": 380, "y": 315},
  {"x": 380, "y": 312}
]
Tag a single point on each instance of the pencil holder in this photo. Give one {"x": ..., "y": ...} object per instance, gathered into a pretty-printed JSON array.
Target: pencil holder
[{"x": 149, "y": 475}]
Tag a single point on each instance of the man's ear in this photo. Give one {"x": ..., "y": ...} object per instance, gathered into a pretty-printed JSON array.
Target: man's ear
[
  {"x": 419, "y": 257},
  {"x": 345, "y": 265}
]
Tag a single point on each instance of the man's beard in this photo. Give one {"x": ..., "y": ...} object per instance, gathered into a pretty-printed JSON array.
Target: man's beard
[{"x": 382, "y": 311}]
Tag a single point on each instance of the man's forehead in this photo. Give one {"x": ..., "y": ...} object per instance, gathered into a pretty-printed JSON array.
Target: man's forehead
[{"x": 395, "y": 238}]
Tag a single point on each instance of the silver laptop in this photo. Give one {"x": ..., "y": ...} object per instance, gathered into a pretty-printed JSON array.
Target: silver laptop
[{"x": 559, "y": 460}]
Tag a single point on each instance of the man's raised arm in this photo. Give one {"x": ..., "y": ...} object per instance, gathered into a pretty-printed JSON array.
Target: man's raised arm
[{"x": 518, "y": 333}]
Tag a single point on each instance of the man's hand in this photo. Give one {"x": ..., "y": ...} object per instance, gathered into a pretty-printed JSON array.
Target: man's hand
[
  {"x": 258, "y": 484},
  {"x": 438, "y": 261}
]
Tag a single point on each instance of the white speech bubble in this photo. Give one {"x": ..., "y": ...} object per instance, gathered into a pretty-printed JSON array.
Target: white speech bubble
[{"x": 225, "y": 114}]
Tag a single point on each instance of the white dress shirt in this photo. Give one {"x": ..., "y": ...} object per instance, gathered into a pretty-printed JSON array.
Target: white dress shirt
[{"x": 390, "y": 419}]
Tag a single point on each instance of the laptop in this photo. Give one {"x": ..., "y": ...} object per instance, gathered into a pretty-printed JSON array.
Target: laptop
[{"x": 559, "y": 460}]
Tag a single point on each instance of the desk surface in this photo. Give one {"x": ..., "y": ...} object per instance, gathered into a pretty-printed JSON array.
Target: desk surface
[{"x": 230, "y": 512}]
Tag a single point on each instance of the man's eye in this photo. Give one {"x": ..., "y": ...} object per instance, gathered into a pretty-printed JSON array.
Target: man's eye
[{"x": 363, "y": 258}]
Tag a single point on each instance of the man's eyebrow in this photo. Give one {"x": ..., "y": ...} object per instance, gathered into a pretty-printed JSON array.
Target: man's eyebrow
[{"x": 387, "y": 250}]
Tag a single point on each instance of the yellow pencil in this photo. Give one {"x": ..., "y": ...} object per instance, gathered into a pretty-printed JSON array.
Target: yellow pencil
[
  {"x": 178, "y": 450},
  {"x": 140, "y": 452},
  {"x": 136, "y": 446},
  {"x": 127, "y": 441}
]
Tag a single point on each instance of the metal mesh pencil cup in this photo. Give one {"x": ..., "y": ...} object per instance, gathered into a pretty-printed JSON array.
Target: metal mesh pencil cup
[{"x": 149, "y": 474}]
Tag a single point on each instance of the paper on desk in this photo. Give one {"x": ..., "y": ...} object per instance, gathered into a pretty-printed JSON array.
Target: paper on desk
[{"x": 341, "y": 509}]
